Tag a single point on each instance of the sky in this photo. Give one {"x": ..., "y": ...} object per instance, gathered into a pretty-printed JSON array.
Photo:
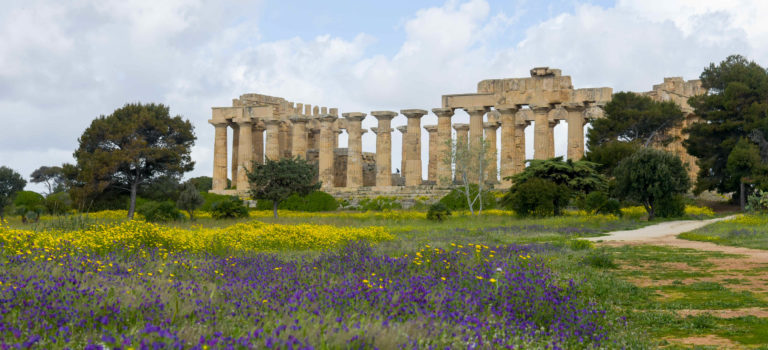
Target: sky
[{"x": 64, "y": 63}]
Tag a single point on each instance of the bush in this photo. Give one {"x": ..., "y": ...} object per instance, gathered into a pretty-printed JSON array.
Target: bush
[
  {"x": 210, "y": 199},
  {"x": 758, "y": 201},
  {"x": 380, "y": 203},
  {"x": 29, "y": 205},
  {"x": 457, "y": 200},
  {"x": 232, "y": 207},
  {"x": 598, "y": 202},
  {"x": 313, "y": 202},
  {"x": 538, "y": 197},
  {"x": 671, "y": 207},
  {"x": 438, "y": 212},
  {"x": 58, "y": 203},
  {"x": 190, "y": 199},
  {"x": 580, "y": 244},
  {"x": 159, "y": 211}
]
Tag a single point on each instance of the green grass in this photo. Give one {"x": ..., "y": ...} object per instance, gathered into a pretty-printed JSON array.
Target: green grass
[{"x": 750, "y": 231}]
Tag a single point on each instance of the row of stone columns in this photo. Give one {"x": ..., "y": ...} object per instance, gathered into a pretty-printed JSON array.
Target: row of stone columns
[{"x": 297, "y": 137}]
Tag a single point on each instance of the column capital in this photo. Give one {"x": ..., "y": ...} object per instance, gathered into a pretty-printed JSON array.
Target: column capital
[
  {"x": 403, "y": 129},
  {"x": 259, "y": 126},
  {"x": 413, "y": 113},
  {"x": 328, "y": 118},
  {"x": 476, "y": 110},
  {"x": 243, "y": 121},
  {"x": 354, "y": 116},
  {"x": 558, "y": 113},
  {"x": 384, "y": 115},
  {"x": 430, "y": 128},
  {"x": 268, "y": 122},
  {"x": 574, "y": 106},
  {"x": 461, "y": 127},
  {"x": 218, "y": 122},
  {"x": 363, "y": 131},
  {"x": 333, "y": 111},
  {"x": 443, "y": 112},
  {"x": 491, "y": 125},
  {"x": 376, "y": 131},
  {"x": 296, "y": 119},
  {"x": 507, "y": 108},
  {"x": 540, "y": 108}
]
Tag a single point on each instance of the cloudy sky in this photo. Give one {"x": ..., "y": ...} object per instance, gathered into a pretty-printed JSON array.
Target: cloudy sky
[{"x": 63, "y": 63}]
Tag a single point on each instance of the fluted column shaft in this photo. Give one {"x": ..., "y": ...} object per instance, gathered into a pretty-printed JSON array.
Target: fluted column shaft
[
  {"x": 541, "y": 132},
  {"x": 443, "y": 168},
  {"x": 476, "y": 126},
  {"x": 219, "y": 155},
  {"x": 299, "y": 136},
  {"x": 258, "y": 142},
  {"x": 325, "y": 151},
  {"x": 432, "y": 160},
  {"x": 575, "y": 131},
  {"x": 518, "y": 153},
  {"x": 403, "y": 129},
  {"x": 354, "y": 149},
  {"x": 273, "y": 139},
  {"x": 490, "y": 135},
  {"x": 413, "y": 152},
  {"x": 235, "y": 151},
  {"x": 507, "y": 139},
  {"x": 244, "y": 153},
  {"x": 384, "y": 147},
  {"x": 462, "y": 140}
]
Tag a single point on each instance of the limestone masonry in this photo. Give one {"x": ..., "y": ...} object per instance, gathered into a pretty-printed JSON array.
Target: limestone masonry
[{"x": 272, "y": 127}]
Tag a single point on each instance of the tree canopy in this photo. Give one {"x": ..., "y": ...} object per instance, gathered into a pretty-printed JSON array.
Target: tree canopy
[
  {"x": 135, "y": 144},
  {"x": 736, "y": 106},
  {"x": 650, "y": 177},
  {"x": 579, "y": 176},
  {"x": 276, "y": 180},
  {"x": 51, "y": 176},
  {"x": 630, "y": 117},
  {"x": 11, "y": 183}
]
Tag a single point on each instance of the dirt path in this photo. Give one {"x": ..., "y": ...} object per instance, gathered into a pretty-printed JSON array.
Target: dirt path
[{"x": 665, "y": 233}]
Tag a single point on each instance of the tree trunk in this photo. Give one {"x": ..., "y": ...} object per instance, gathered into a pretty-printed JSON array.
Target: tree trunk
[
  {"x": 132, "y": 207},
  {"x": 191, "y": 215},
  {"x": 742, "y": 197},
  {"x": 274, "y": 208},
  {"x": 651, "y": 211}
]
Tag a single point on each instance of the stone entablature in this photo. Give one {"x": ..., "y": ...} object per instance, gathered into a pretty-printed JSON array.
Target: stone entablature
[{"x": 273, "y": 127}]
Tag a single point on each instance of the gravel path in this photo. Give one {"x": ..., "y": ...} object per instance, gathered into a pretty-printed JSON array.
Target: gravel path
[{"x": 664, "y": 230}]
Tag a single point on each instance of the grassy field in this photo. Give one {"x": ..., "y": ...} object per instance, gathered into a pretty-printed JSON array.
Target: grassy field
[
  {"x": 466, "y": 282},
  {"x": 750, "y": 231}
]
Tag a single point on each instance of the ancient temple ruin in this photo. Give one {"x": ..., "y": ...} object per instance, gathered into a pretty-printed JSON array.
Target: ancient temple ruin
[{"x": 273, "y": 127}]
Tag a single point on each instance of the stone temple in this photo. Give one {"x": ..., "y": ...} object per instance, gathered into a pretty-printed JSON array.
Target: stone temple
[{"x": 273, "y": 127}]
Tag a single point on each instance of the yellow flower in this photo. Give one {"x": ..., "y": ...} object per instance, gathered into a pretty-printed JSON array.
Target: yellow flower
[
  {"x": 492, "y": 280},
  {"x": 479, "y": 277}
]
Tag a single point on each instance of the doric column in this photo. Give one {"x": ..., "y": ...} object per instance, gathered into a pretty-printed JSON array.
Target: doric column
[
  {"x": 432, "y": 160},
  {"x": 462, "y": 141},
  {"x": 541, "y": 144},
  {"x": 413, "y": 152},
  {"x": 244, "y": 152},
  {"x": 325, "y": 151},
  {"x": 476, "y": 125},
  {"x": 576, "y": 123},
  {"x": 299, "y": 139},
  {"x": 490, "y": 135},
  {"x": 235, "y": 151},
  {"x": 443, "y": 172},
  {"x": 518, "y": 152},
  {"x": 557, "y": 114},
  {"x": 273, "y": 139},
  {"x": 507, "y": 113},
  {"x": 258, "y": 142},
  {"x": 383, "y": 147},
  {"x": 219, "y": 154},
  {"x": 354, "y": 149},
  {"x": 282, "y": 140},
  {"x": 403, "y": 129}
]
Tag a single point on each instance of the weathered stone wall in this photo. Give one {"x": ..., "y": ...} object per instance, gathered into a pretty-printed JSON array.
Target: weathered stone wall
[
  {"x": 369, "y": 169},
  {"x": 340, "y": 167}
]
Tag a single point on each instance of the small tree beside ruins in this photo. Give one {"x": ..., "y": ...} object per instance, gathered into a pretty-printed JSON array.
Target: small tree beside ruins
[
  {"x": 276, "y": 180},
  {"x": 471, "y": 171}
]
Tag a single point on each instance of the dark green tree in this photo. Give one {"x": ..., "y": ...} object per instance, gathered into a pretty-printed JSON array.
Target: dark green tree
[
  {"x": 203, "y": 183},
  {"x": 744, "y": 166},
  {"x": 651, "y": 176},
  {"x": 609, "y": 154},
  {"x": 11, "y": 183},
  {"x": 735, "y": 106},
  {"x": 276, "y": 180},
  {"x": 579, "y": 176},
  {"x": 136, "y": 144},
  {"x": 190, "y": 199},
  {"x": 630, "y": 117},
  {"x": 51, "y": 176}
]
